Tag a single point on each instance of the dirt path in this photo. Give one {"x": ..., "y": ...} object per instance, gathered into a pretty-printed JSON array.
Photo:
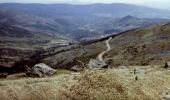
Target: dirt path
[{"x": 100, "y": 56}]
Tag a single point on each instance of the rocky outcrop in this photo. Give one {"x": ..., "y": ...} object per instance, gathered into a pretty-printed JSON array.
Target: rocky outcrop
[
  {"x": 42, "y": 70},
  {"x": 94, "y": 63}
]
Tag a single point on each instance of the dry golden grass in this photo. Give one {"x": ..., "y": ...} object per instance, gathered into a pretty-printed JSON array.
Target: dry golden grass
[
  {"x": 35, "y": 88},
  {"x": 96, "y": 85},
  {"x": 106, "y": 84}
]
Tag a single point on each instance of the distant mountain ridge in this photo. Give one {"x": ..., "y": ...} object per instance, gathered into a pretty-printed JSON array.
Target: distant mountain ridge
[
  {"x": 114, "y": 10},
  {"x": 80, "y": 22}
]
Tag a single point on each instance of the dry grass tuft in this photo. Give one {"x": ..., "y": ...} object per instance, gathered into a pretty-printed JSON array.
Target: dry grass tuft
[{"x": 96, "y": 85}]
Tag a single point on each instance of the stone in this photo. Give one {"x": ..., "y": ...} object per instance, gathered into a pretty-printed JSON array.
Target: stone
[
  {"x": 167, "y": 64},
  {"x": 93, "y": 63},
  {"x": 42, "y": 70}
]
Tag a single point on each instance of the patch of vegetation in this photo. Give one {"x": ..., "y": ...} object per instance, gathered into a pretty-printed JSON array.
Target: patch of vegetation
[{"x": 96, "y": 86}]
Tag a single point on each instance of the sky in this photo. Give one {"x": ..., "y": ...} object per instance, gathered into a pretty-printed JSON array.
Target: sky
[{"x": 162, "y": 4}]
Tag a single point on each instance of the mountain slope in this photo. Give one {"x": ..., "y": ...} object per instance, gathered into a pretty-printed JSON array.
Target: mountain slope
[
  {"x": 143, "y": 46},
  {"x": 17, "y": 43},
  {"x": 134, "y": 47},
  {"x": 31, "y": 22},
  {"x": 27, "y": 34},
  {"x": 130, "y": 22}
]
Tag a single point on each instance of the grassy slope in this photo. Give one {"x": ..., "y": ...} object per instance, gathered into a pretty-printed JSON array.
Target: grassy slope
[
  {"x": 141, "y": 47},
  {"x": 69, "y": 58},
  {"x": 106, "y": 84},
  {"x": 132, "y": 47},
  {"x": 136, "y": 47}
]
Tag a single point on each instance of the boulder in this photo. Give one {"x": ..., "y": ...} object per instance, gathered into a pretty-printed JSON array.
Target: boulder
[
  {"x": 167, "y": 64},
  {"x": 94, "y": 63},
  {"x": 42, "y": 70}
]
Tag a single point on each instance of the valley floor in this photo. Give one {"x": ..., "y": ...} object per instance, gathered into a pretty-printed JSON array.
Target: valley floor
[{"x": 123, "y": 83}]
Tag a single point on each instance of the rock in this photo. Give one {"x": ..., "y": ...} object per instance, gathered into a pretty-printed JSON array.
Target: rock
[
  {"x": 167, "y": 64},
  {"x": 76, "y": 68},
  {"x": 42, "y": 70},
  {"x": 93, "y": 63}
]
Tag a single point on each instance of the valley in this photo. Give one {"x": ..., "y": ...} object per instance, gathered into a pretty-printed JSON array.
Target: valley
[{"x": 84, "y": 52}]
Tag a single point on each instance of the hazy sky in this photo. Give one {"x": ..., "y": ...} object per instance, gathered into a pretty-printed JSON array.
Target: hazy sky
[{"x": 164, "y": 4}]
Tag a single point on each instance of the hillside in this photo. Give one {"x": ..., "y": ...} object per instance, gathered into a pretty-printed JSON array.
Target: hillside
[
  {"x": 142, "y": 46},
  {"x": 152, "y": 83},
  {"x": 134, "y": 47},
  {"x": 17, "y": 43},
  {"x": 27, "y": 31}
]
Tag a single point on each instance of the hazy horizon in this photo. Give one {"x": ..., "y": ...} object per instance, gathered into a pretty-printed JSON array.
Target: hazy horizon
[{"x": 163, "y": 4}]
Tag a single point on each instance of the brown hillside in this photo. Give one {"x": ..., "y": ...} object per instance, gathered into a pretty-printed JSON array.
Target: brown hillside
[{"x": 142, "y": 46}]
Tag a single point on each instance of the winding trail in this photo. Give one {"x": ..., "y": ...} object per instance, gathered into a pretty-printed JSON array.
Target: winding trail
[{"x": 100, "y": 56}]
